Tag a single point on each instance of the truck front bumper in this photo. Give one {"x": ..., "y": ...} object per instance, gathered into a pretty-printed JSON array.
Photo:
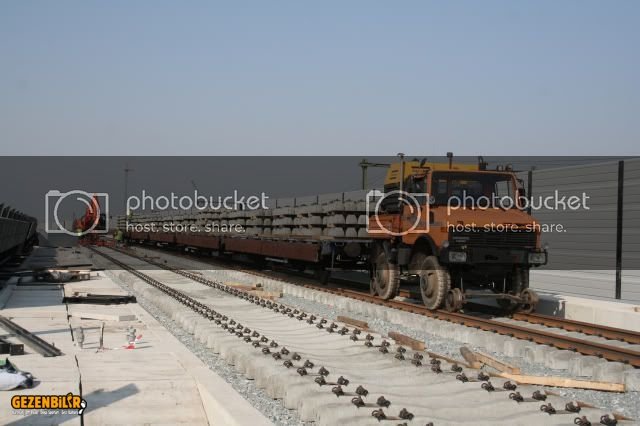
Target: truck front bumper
[{"x": 472, "y": 256}]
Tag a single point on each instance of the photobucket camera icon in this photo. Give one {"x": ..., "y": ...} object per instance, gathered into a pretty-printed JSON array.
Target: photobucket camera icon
[
  {"x": 91, "y": 217},
  {"x": 413, "y": 209}
]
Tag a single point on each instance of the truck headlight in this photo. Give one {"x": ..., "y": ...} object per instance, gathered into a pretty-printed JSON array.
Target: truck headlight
[
  {"x": 457, "y": 256},
  {"x": 538, "y": 258}
]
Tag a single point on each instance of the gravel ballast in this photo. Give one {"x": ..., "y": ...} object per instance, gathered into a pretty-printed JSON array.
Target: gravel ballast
[{"x": 272, "y": 409}]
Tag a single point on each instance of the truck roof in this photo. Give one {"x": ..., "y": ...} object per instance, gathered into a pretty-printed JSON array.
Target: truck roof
[{"x": 414, "y": 167}]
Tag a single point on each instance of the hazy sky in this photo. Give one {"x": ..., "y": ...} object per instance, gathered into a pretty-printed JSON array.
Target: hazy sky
[{"x": 331, "y": 77}]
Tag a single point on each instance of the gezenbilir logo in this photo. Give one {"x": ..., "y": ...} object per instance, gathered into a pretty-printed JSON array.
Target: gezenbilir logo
[{"x": 68, "y": 402}]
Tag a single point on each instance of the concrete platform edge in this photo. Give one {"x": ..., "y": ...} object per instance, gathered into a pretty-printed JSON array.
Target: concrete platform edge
[
  {"x": 604, "y": 312},
  {"x": 222, "y": 403}
]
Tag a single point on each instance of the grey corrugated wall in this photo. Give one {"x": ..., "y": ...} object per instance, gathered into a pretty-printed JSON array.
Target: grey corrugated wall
[
  {"x": 631, "y": 231},
  {"x": 582, "y": 260}
]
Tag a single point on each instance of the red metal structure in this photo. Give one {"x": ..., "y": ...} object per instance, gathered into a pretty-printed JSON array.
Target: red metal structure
[{"x": 90, "y": 222}]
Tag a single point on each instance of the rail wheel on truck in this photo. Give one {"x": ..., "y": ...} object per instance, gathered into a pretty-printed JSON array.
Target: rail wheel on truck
[
  {"x": 435, "y": 281},
  {"x": 518, "y": 281}
]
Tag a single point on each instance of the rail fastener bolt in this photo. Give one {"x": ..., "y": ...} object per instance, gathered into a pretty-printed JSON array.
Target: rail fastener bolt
[
  {"x": 383, "y": 402},
  {"x": 548, "y": 408}
]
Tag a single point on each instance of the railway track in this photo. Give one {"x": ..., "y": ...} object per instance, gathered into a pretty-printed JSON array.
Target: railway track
[
  {"x": 609, "y": 333},
  {"x": 609, "y": 352},
  {"x": 549, "y": 337},
  {"x": 332, "y": 386},
  {"x": 589, "y": 329}
]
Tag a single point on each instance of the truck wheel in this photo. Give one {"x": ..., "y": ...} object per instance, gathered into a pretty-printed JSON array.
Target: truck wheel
[
  {"x": 435, "y": 281},
  {"x": 386, "y": 277}
]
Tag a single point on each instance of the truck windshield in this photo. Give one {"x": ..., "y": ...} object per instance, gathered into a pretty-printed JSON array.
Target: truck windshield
[{"x": 472, "y": 189}]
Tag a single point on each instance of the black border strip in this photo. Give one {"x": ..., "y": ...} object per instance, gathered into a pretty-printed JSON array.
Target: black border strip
[{"x": 619, "y": 229}]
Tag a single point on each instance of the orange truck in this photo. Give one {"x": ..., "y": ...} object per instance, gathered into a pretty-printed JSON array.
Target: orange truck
[{"x": 458, "y": 231}]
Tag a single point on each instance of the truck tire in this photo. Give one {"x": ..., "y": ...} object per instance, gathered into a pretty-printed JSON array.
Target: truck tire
[
  {"x": 435, "y": 280},
  {"x": 386, "y": 276}
]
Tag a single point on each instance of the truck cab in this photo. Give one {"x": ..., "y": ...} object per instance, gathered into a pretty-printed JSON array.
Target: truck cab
[{"x": 458, "y": 231}]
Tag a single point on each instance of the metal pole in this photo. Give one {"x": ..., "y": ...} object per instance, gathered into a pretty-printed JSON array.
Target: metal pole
[
  {"x": 126, "y": 187},
  {"x": 530, "y": 188},
  {"x": 401, "y": 156},
  {"x": 364, "y": 177},
  {"x": 619, "y": 230},
  {"x": 363, "y": 166}
]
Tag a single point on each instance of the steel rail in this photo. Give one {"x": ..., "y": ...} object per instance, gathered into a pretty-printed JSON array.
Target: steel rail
[
  {"x": 610, "y": 333},
  {"x": 612, "y": 353},
  {"x": 42, "y": 347}
]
